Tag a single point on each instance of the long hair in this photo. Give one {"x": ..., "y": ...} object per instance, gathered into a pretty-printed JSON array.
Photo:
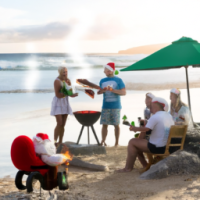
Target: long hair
[{"x": 178, "y": 104}]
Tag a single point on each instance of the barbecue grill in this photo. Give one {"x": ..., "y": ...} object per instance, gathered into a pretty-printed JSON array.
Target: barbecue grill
[{"x": 87, "y": 118}]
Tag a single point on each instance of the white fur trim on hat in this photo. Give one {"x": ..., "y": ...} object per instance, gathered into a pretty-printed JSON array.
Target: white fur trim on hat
[
  {"x": 161, "y": 101},
  {"x": 175, "y": 91},
  {"x": 109, "y": 67},
  {"x": 150, "y": 95}
]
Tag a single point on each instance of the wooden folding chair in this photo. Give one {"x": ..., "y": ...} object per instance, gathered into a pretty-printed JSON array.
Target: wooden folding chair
[{"x": 176, "y": 131}]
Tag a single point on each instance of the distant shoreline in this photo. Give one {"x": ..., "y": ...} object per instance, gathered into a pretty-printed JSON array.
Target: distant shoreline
[{"x": 129, "y": 86}]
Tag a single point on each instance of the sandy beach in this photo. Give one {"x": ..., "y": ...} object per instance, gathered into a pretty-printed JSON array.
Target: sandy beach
[
  {"x": 93, "y": 185},
  {"x": 30, "y": 114}
]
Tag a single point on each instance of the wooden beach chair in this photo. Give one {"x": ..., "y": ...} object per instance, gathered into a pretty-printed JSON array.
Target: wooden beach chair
[{"x": 176, "y": 131}]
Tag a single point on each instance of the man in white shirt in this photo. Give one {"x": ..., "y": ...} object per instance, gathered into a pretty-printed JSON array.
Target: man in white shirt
[{"x": 159, "y": 124}]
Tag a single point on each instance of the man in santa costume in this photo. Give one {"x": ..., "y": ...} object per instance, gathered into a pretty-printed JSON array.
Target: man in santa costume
[
  {"x": 46, "y": 150},
  {"x": 112, "y": 88}
]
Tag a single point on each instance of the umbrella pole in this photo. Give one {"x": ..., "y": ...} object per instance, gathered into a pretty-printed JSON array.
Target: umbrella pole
[{"x": 188, "y": 92}]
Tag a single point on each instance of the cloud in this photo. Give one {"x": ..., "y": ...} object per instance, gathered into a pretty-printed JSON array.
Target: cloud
[
  {"x": 105, "y": 27},
  {"x": 51, "y": 31}
]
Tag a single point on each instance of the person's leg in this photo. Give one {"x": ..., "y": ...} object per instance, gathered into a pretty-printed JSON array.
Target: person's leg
[
  {"x": 58, "y": 128},
  {"x": 64, "y": 119},
  {"x": 117, "y": 133},
  {"x": 135, "y": 145},
  {"x": 115, "y": 119},
  {"x": 104, "y": 133},
  {"x": 141, "y": 157}
]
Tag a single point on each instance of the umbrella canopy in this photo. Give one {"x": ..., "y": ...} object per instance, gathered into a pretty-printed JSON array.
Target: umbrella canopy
[{"x": 183, "y": 52}]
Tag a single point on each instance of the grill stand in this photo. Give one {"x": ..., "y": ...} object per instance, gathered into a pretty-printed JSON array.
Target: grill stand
[{"x": 79, "y": 137}]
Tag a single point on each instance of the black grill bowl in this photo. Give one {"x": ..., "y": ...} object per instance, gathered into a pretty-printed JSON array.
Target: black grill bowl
[{"x": 86, "y": 117}]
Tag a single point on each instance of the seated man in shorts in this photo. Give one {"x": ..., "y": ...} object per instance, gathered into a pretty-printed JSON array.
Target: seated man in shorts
[
  {"x": 143, "y": 122},
  {"x": 159, "y": 124}
]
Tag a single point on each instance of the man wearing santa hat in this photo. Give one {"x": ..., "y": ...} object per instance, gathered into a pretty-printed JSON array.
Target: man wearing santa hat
[
  {"x": 112, "y": 88},
  {"x": 159, "y": 124}
]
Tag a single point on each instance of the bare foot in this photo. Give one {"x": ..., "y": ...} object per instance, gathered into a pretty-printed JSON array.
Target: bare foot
[
  {"x": 124, "y": 170},
  {"x": 57, "y": 144},
  {"x": 116, "y": 145},
  {"x": 103, "y": 144}
]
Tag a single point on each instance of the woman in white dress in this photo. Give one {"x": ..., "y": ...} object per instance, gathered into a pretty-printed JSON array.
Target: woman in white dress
[
  {"x": 180, "y": 112},
  {"x": 60, "y": 105}
]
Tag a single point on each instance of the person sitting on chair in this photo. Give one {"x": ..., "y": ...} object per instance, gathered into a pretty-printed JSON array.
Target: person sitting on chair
[
  {"x": 147, "y": 115},
  {"x": 159, "y": 124},
  {"x": 148, "y": 100},
  {"x": 180, "y": 112}
]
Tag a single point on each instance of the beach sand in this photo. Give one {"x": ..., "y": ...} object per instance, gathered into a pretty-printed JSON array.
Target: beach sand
[
  {"x": 31, "y": 116},
  {"x": 93, "y": 185}
]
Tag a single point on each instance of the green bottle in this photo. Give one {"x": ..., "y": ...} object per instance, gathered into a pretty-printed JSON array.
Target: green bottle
[
  {"x": 124, "y": 117},
  {"x": 63, "y": 179},
  {"x": 132, "y": 123}
]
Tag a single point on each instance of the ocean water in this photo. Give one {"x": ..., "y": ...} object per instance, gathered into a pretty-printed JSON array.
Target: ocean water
[
  {"x": 26, "y": 92},
  {"x": 38, "y": 71}
]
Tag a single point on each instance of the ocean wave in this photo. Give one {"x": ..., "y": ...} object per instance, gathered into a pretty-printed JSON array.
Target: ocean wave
[
  {"x": 28, "y": 91},
  {"x": 129, "y": 86},
  {"x": 53, "y": 61}
]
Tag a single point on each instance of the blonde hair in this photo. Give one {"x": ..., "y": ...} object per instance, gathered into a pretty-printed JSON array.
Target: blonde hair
[
  {"x": 61, "y": 69},
  {"x": 178, "y": 104}
]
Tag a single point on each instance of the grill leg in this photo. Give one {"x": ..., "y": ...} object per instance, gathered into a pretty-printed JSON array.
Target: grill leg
[
  {"x": 95, "y": 135},
  {"x": 88, "y": 135},
  {"x": 79, "y": 137}
]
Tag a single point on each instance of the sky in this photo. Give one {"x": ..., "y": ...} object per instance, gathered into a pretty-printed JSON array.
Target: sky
[{"x": 94, "y": 26}]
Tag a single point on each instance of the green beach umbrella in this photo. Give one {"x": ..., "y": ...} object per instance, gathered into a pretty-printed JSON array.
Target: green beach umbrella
[{"x": 181, "y": 53}]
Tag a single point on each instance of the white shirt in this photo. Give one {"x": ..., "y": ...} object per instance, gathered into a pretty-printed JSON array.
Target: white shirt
[
  {"x": 186, "y": 114},
  {"x": 160, "y": 124}
]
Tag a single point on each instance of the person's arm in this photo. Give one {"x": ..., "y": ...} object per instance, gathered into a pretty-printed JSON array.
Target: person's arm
[
  {"x": 57, "y": 88},
  {"x": 141, "y": 129},
  {"x": 74, "y": 95},
  {"x": 101, "y": 91},
  {"x": 121, "y": 92}
]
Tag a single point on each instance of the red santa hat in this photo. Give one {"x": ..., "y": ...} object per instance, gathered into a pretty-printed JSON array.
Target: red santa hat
[
  {"x": 161, "y": 101},
  {"x": 40, "y": 137},
  {"x": 110, "y": 66}
]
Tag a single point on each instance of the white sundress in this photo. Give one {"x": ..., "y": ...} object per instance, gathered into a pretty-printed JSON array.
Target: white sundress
[{"x": 61, "y": 106}]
